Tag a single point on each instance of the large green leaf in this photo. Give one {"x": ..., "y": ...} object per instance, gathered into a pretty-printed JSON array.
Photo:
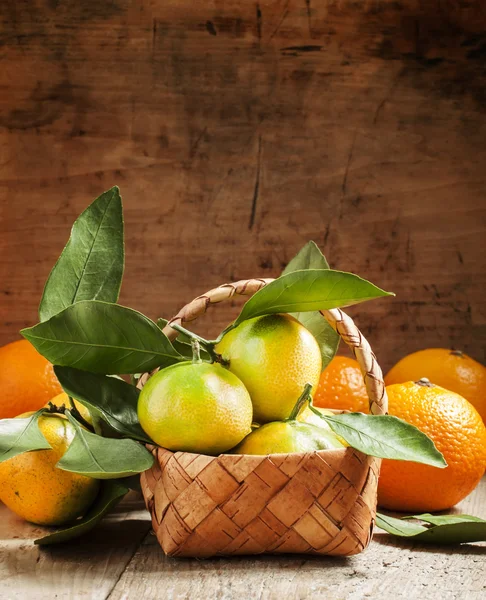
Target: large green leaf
[
  {"x": 445, "y": 529},
  {"x": 309, "y": 290},
  {"x": 21, "y": 435},
  {"x": 102, "y": 338},
  {"x": 91, "y": 265},
  {"x": 310, "y": 257},
  {"x": 385, "y": 436},
  {"x": 103, "y": 458},
  {"x": 111, "y": 493},
  {"x": 111, "y": 398}
]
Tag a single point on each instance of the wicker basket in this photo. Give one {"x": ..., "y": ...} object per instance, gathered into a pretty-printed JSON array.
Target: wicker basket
[{"x": 321, "y": 502}]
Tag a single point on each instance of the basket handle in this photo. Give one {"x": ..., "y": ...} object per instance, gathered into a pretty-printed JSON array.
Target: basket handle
[{"x": 342, "y": 323}]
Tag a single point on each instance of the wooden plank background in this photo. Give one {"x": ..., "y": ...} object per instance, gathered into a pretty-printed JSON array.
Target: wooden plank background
[{"x": 237, "y": 130}]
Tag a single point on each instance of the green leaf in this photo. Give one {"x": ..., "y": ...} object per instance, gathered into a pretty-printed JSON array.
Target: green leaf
[
  {"x": 111, "y": 493},
  {"x": 444, "y": 529},
  {"x": 102, "y": 338},
  {"x": 91, "y": 264},
  {"x": 183, "y": 343},
  {"x": 385, "y": 436},
  {"x": 103, "y": 458},
  {"x": 446, "y": 519},
  {"x": 111, "y": 398},
  {"x": 310, "y": 257},
  {"x": 398, "y": 527},
  {"x": 309, "y": 290},
  {"x": 325, "y": 335},
  {"x": 21, "y": 435}
]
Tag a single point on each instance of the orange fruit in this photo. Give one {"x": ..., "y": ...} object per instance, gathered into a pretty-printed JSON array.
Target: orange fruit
[
  {"x": 274, "y": 356},
  {"x": 27, "y": 379},
  {"x": 287, "y": 436},
  {"x": 451, "y": 369},
  {"x": 36, "y": 490},
  {"x": 195, "y": 407},
  {"x": 341, "y": 386},
  {"x": 458, "y": 432}
]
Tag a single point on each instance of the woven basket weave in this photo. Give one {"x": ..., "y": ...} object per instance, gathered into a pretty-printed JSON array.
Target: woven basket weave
[{"x": 321, "y": 502}]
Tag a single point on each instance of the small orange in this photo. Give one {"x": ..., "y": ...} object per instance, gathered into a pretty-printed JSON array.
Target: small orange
[
  {"x": 35, "y": 489},
  {"x": 451, "y": 369},
  {"x": 27, "y": 379},
  {"x": 341, "y": 386},
  {"x": 458, "y": 432}
]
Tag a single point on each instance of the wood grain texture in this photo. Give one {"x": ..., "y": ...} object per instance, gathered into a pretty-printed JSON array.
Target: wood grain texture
[
  {"x": 114, "y": 562},
  {"x": 387, "y": 569},
  {"x": 239, "y": 130},
  {"x": 84, "y": 568}
]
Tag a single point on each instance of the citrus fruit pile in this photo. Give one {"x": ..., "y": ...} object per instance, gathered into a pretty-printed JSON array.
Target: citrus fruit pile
[
  {"x": 95, "y": 385},
  {"x": 443, "y": 393},
  {"x": 263, "y": 367}
]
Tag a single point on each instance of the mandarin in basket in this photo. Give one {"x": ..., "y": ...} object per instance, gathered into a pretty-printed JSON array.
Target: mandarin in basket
[
  {"x": 295, "y": 434},
  {"x": 451, "y": 369},
  {"x": 341, "y": 386},
  {"x": 288, "y": 436},
  {"x": 274, "y": 356},
  {"x": 195, "y": 407},
  {"x": 27, "y": 379},
  {"x": 457, "y": 430}
]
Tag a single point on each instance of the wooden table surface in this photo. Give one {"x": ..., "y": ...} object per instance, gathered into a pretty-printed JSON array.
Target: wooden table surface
[{"x": 122, "y": 559}]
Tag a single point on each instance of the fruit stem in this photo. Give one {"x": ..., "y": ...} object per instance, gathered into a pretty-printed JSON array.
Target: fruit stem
[
  {"x": 303, "y": 398},
  {"x": 77, "y": 415},
  {"x": 52, "y": 408},
  {"x": 196, "y": 352},
  {"x": 207, "y": 345},
  {"x": 425, "y": 382}
]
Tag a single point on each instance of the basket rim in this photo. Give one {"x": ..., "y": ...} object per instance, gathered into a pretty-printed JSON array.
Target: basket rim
[{"x": 345, "y": 450}]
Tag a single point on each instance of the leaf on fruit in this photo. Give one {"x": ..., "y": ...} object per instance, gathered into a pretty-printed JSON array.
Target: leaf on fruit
[
  {"x": 103, "y": 458},
  {"x": 183, "y": 343},
  {"x": 114, "y": 400},
  {"x": 21, "y": 435},
  {"x": 310, "y": 257},
  {"x": 439, "y": 529},
  {"x": 102, "y": 338},
  {"x": 92, "y": 262},
  {"x": 110, "y": 494},
  {"x": 309, "y": 290},
  {"x": 385, "y": 436}
]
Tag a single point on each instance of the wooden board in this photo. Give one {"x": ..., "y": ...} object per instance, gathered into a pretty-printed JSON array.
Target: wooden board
[
  {"x": 115, "y": 563},
  {"x": 85, "y": 568},
  {"x": 239, "y": 130}
]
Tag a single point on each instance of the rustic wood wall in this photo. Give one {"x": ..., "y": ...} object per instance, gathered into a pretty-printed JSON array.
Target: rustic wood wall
[{"x": 237, "y": 130}]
